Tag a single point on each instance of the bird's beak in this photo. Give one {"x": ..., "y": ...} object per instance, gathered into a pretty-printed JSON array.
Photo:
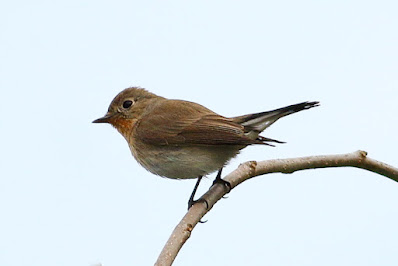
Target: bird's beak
[{"x": 104, "y": 119}]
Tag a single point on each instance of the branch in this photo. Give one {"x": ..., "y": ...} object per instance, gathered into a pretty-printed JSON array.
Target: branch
[{"x": 251, "y": 169}]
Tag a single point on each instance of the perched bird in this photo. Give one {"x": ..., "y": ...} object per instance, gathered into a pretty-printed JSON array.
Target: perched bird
[{"x": 182, "y": 140}]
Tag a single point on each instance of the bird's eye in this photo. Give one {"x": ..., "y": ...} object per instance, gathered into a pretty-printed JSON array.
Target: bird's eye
[{"x": 127, "y": 104}]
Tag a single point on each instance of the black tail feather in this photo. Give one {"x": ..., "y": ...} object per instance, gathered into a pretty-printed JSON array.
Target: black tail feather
[
  {"x": 284, "y": 110},
  {"x": 265, "y": 141}
]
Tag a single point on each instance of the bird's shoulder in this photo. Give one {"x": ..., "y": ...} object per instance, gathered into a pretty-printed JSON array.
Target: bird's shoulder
[{"x": 166, "y": 108}]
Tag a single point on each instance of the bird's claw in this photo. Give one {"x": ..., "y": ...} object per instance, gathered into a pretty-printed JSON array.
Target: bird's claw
[
  {"x": 223, "y": 182},
  {"x": 192, "y": 202}
]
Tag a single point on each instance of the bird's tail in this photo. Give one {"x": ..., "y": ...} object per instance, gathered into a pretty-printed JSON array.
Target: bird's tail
[{"x": 254, "y": 124}]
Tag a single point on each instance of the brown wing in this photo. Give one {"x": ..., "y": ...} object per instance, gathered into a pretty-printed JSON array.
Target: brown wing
[{"x": 174, "y": 122}]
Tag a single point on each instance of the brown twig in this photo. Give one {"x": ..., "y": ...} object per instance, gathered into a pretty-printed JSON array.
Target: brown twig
[{"x": 251, "y": 169}]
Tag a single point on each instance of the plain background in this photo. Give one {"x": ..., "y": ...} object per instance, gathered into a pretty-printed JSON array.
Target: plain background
[{"x": 71, "y": 193}]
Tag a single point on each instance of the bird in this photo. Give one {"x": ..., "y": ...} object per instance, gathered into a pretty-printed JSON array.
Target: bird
[{"x": 180, "y": 139}]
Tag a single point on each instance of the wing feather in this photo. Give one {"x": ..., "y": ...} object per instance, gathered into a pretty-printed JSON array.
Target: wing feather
[{"x": 175, "y": 122}]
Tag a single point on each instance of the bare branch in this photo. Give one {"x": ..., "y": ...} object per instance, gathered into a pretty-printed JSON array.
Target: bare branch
[{"x": 251, "y": 169}]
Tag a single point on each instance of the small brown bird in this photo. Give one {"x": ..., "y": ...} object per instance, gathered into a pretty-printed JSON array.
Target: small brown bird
[{"x": 180, "y": 139}]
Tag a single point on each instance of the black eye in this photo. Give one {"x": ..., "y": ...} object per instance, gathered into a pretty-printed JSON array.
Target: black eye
[{"x": 127, "y": 104}]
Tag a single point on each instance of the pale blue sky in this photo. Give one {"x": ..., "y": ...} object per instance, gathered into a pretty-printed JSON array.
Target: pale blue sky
[{"x": 71, "y": 193}]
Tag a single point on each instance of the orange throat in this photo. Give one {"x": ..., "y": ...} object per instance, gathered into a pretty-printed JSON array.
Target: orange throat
[{"x": 124, "y": 126}]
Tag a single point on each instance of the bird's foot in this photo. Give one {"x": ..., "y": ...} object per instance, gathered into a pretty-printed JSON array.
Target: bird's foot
[
  {"x": 223, "y": 182},
  {"x": 191, "y": 202}
]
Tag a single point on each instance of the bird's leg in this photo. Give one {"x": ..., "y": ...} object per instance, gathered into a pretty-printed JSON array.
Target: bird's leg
[
  {"x": 191, "y": 201},
  {"x": 219, "y": 180}
]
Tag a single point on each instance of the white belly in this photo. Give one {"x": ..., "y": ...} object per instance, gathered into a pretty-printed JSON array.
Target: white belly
[{"x": 184, "y": 162}]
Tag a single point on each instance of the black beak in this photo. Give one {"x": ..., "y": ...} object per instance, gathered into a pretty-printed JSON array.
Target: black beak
[{"x": 104, "y": 119}]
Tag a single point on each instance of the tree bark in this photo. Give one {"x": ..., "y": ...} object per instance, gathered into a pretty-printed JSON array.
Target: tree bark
[{"x": 251, "y": 169}]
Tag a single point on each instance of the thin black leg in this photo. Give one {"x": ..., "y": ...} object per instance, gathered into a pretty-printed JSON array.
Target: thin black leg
[
  {"x": 191, "y": 201},
  {"x": 219, "y": 180},
  {"x": 218, "y": 177}
]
